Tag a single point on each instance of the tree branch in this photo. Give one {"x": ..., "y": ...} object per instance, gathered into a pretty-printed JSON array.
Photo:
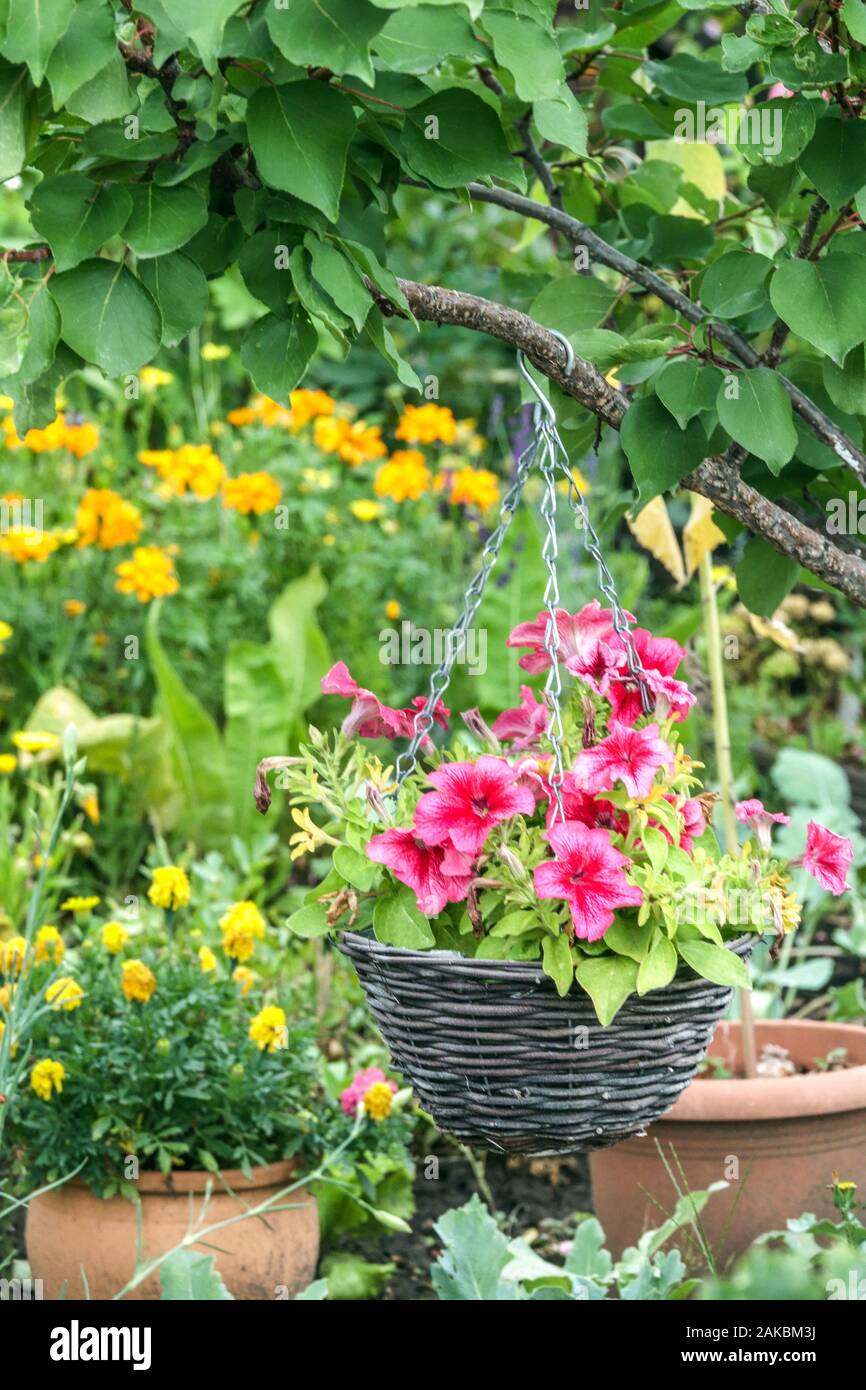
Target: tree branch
[{"x": 714, "y": 478}]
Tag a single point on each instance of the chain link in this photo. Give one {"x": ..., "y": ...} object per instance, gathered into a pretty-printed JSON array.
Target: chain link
[{"x": 548, "y": 451}]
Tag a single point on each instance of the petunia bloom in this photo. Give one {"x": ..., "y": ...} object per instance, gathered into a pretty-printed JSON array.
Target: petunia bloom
[
  {"x": 470, "y": 799},
  {"x": 630, "y": 756},
  {"x": 753, "y": 814},
  {"x": 588, "y": 874},
  {"x": 828, "y": 857},
  {"x": 437, "y": 874},
  {"x": 659, "y": 657},
  {"x": 369, "y": 717},
  {"x": 578, "y": 637},
  {"x": 584, "y": 807},
  {"x": 524, "y": 725}
]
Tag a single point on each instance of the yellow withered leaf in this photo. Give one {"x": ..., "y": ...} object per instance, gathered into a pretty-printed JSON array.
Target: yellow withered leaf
[
  {"x": 653, "y": 528},
  {"x": 700, "y": 533}
]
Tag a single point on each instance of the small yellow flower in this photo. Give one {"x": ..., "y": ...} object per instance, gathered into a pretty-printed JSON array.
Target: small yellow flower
[
  {"x": 309, "y": 836},
  {"x": 12, "y": 953},
  {"x": 5, "y": 633},
  {"x": 241, "y": 926},
  {"x": 845, "y": 1185},
  {"x": 74, "y": 607},
  {"x": 427, "y": 424},
  {"x": 268, "y": 1028},
  {"x": 215, "y": 352},
  {"x": 328, "y": 539},
  {"x": 106, "y": 519},
  {"x": 90, "y": 807},
  {"x": 170, "y": 887},
  {"x": 49, "y": 946},
  {"x": 65, "y": 994},
  {"x": 8, "y": 763},
  {"x": 244, "y": 978},
  {"x": 114, "y": 937},
  {"x": 206, "y": 959},
  {"x": 151, "y": 377},
  {"x": 378, "y": 1100},
  {"x": 79, "y": 904},
  {"x": 149, "y": 574},
  {"x": 392, "y": 610},
  {"x": 252, "y": 492},
  {"x": 35, "y": 741},
  {"x": 138, "y": 981},
  {"x": 365, "y": 509},
  {"x": 47, "y": 1077}
]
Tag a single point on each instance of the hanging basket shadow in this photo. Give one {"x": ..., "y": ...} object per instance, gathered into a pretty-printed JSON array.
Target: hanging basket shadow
[{"x": 500, "y": 1061}]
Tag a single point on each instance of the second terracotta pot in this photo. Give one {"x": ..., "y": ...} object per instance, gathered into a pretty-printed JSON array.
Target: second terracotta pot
[
  {"x": 81, "y": 1246},
  {"x": 776, "y": 1141}
]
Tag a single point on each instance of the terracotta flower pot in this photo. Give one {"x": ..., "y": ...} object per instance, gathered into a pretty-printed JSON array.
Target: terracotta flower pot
[
  {"x": 266, "y": 1257},
  {"x": 776, "y": 1141}
]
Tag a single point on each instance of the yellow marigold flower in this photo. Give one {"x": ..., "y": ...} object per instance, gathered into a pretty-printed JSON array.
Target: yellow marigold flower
[
  {"x": 241, "y": 926},
  {"x": 427, "y": 424},
  {"x": 79, "y": 904},
  {"x": 49, "y": 946},
  {"x": 149, "y": 574},
  {"x": 193, "y": 467},
  {"x": 26, "y": 543},
  {"x": 215, "y": 352},
  {"x": 65, "y": 994},
  {"x": 138, "y": 981},
  {"x": 8, "y": 763},
  {"x": 12, "y": 954},
  {"x": 106, "y": 519},
  {"x": 354, "y": 443},
  {"x": 114, "y": 937},
  {"x": 268, "y": 1028},
  {"x": 405, "y": 475},
  {"x": 101, "y": 639},
  {"x": 74, "y": 607},
  {"x": 392, "y": 610},
  {"x": 151, "y": 377},
  {"x": 5, "y": 633},
  {"x": 35, "y": 741},
  {"x": 252, "y": 492},
  {"x": 206, "y": 959},
  {"x": 90, "y": 807},
  {"x": 170, "y": 887},
  {"x": 365, "y": 509},
  {"x": 47, "y": 1077},
  {"x": 378, "y": 1100},
  {"x": 244, "y": 978},
  {"x": 475, "y": 487},
  {"x": 309, "y": 405},
  {"x": 80, "y": 439}
]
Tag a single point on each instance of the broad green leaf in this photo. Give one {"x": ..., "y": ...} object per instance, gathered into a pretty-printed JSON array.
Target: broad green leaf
[
  {"x": 846, "y": 385},
  {"x": 659, "y": 966},
  {"x": 332, "y": 34},
  {"x": 318, "y": 304},
  {"x": 299, "y": 135},
  {"x": 257, "y": 722},
  {"x": 309, "y": 922},
  {"x": 454, "y": 137},
  {"x": 107, "y": 316},
  {"x": 777, "y": 131},
  {"x": 715, "y": 963},
  {"x": 76, "y": 216},
  {"x": 179, "y": 289},
  {"x": 202, "y": 23},
  {"x": 189, "y": 1275},
  {"x": 397, "y": 921},
  {"x": 356, "y": 869},
  {"x": 693, "y": 79},
  {"x": 107, "y": 96},
  {"x": 474, "y": 1254},
  {"x": 339, "y": 278},
  {"x": 13, "y": 109},
  {"x": 735, "y": 284},
  {"x": 854, "y": 17},
  {"x": 298, "y": 643},
  {"x": 88, "y": 45},
  {"x": 823, "y": 301},
  {"x": 557, "y": 963},
  {"x": 608, "y": 980},
  {"x": 660, "y": 454},
  {"x": 627, "y": 938},
  {"x": 562, "y": 121},
  {"x": 835, "y": 159},
  {"x": 275, "y": 352},
  {"x": 40, "y": 335},
  {"x": 755, "y": 409},
  {"x": 382, "y": 339},
  {"x": 416, "y": 40},
  {"x": 528, "y": 51},
  {"x": 163, "y": 219},
  {"x": 574, "y": 305},
  {"x": 33, "y": 28},
  {"x": 764, "y": 577},
  {"x": 686, "y": 387}
]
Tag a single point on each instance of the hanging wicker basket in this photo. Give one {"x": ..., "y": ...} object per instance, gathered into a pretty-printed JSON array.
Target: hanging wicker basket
[{"x": 501, "y": 1061}]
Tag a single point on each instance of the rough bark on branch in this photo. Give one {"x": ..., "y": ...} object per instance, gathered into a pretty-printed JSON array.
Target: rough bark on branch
[{"x": 714, "y": 478}]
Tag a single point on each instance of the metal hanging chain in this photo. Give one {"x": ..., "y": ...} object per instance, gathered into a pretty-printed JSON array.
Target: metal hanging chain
[{"x": 547, "y": 449}]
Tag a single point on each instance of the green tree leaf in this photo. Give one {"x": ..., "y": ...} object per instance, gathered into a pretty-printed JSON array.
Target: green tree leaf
[
  {"x": 759, "y": 416},
  {"x": 835, "y": 159},
  {"x": 202, "y": 23},
  {"x": 77, "y": 216},
  {"x": 823, "y": 301},
  {"x": 276, "y": 351},
  {"x": 333, "y": 34},
  {"x": 415, "y": 40},
  {"x": 453, "y": 137},
  {"x": 660, "y": 454},
  {"x": 735, "y": 284},
  {"x": 107, "y": 316},
  {"x": 764, "y": 577},
  {"x": 87, "y": 46},
  {"x": 562, "y": 121},
  {"x": 163, "y": 219},
  {"x": 13, "y": 109},
  {"x": 686, "y": 388},
  {"x": 33, "y": 30},
  {"x": 528, "y": 51},
  {"x": 179, "y": 289},
  {"x": 300, "y": 135}
]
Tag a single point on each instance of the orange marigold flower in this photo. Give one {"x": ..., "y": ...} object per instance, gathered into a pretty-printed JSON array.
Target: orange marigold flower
[
  {"x": 404, "y": 475},
  {"x": 149, "y": 574},
  {"x": 106, "y": 519},
  {"x": 25, "y": 543},
  {"x": 309, "y": 405},
  {"x": 475, "y": 487},
  {"x": 192, "y": 467},
  {"x": 427, "y": 424},
  {"x": 252, "y": 492},
  {"x": 354, "y": 443},
  {"x": 80, "y": 439}
]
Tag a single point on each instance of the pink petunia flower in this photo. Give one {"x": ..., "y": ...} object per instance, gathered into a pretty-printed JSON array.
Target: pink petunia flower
[
  {"x": 630, "y": 756},
  {"x": 524, "y": 725},
  {"x": 533, "y": 772},
  {"x": 470, "y": 798},
  {"x": 578, "y": 637},
  {"x": 354, "y": 1093},
  {"x": 660, "y": 657},
  {"x": 693, "y": 823},
  {"x": 827, "y": 857},
  {"x": 369, "y": 717},
  {"x": 436, "y": 874},
  {"x": 588, "y": 874},
  {"x": 753, "y": 814},
  {"x": 584, "y": 807}
]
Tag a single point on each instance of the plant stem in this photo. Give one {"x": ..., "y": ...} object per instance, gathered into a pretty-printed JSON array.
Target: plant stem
[{"x": 724, "y": 770}]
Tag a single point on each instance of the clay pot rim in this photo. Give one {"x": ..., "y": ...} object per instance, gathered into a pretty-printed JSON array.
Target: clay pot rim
[
  {"x": 777, "y": 1098},
  {"x": 180, "y": 1182}
]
